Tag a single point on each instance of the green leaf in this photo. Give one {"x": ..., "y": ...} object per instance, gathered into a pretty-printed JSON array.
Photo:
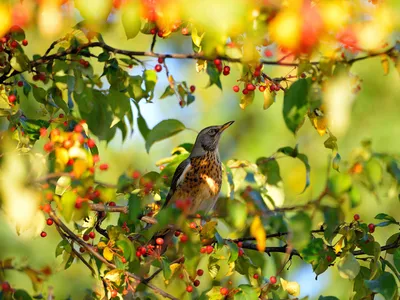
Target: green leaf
[
  {"x": 270, "y": 168},
  {"x": 317, "y": 255},
  {"x": 392, "y": 239},
  {"x": 293, "y": 152},
  {"x": 237, "y": 214},
  {"x": 104, "y": 56},
  {"x": 126, "y": 247},
  {"x": 247, "y": 292},
  {"x": 385, "y": 285},
  {"x": 150, "y": 80},
  {"x": 354, "y": 196},
  {"x": 21, "y": 295},
  {"x": 300, "y": 226},
  {"x": 20, "y": 62},
  {"x": 295, "y": 105},
  {"x": 163, "y": 130},
  {"x": 234, "y": 251},
  {"x": 333, "y": 216},
  {"x": 68, "y": 200},
  {"x": 84, "y": 101},
  {"x": 374, "y": 171},
  {"x": 214, "y": 75},
  {"x": 119, "y": 103},
  {"x": 62, "y": 246},
  {"x": 59, "y": 101},
  {"x": 339, "y": 183},
  {"x": 135, "y": 85},
  {"x": 328, "y": 298},
  {"x": 169, "y": 91},
  {"x": 214, "y": 294},
  {"x": 348, "y": 266},
  {"x": 39, "y": 94},
  {"x": 165, "y": 264},
  {"x": 386, "y": 217},
  {"x": 396, "y": 259},
  {"x": 359, "y": 288},
  {"x": 131, "y": 19}
]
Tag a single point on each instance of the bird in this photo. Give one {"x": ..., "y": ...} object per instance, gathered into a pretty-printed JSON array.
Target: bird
[{"x": 197, "y": 178}]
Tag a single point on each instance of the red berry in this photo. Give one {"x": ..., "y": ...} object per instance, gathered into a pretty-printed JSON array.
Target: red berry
[
  {"x": 78, "y": 203},
  {"x": 245, "y": 91},
  {"x": 91, "y": 143},
  {"x": 158, "y": 68},
  {"x": 143, "y": 250},
  {"x": 203, "y": 250},
  {"x": 268, "y": 53},
  {"x": 159, "y": 241},
  {"x": 49, "y": 221},
  {"x": 303, "y": 75},
  {"x": 114, "y": 293},
  {"x": 12, "y": 98},
  {"x": 138, "y": 254},
  {"x": 192, "y": 88},
  {"x": 196, "y": 283},
  {"x": 227, "y": 69},
  {"x": 153, "y": 31},
  {"x": 112, "y": 203},
  {"x": 189, "y": 289},
  {"x": 85, "y": 237},
  {"x": 185, "y": 31},
  {"x": 272, "y": 279},
  {"x": 78, "y": 128},
  {"x": 92, "y": 234},
  {"x": 177, "y": 233},
  {"x": 20, "y": 83},
  {"x": 181, "y": 276},
  {"x": 217, "y": 62},
  {"x": 255, "y": 276},
  {"x": 96, "y": 158},
  {"x": 103, "y": 167},
  {"x": 193, "y": 225},
  {"x": 236, "y": 88},
  {"x": 225, "y": 73},
  {"x": 61, "y": 116},
  {"x": 371, "y": 227},
  {"x": 329, "y": 258},
  {"x": 135, "y": 174},
  {"x": 356, "y": 217},
  {"x": 250, "y": 87},
  {"x": 46, "y": 208},
  {"x": 262, "y": 88},
  {"x": 241, "y": 252},
  {"x": 43, "y": 234},
  {"x": 14, "y": 44},
  {"x": 3, "y": 40},
  {"x": 184, "y": 238},
  {"x": 209, "y": 249},
  {"x": 256, "y": 73},
  {"x": 240, "y": 244},
  {"x": 200, "y": 272},
  {"x": 160, "y": 60},
  {"x": 5, "y": 286},
  {"x": 25, "y": 42},
  {"x": 224, "y": 291},
  {"x": 42, "y": 76}
]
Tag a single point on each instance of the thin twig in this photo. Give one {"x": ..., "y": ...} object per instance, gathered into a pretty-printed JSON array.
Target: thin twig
[{"x": 90, "y": 249}]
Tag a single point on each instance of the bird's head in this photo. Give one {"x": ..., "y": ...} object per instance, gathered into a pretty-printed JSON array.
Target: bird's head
[{"x": 208, "y": 139}]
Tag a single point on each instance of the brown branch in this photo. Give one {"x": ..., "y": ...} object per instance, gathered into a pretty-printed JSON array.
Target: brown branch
[
  {"x": 101, "y": 207},
  {"x": 133, "y": 54},
  {"x": 91, "y": 250}
]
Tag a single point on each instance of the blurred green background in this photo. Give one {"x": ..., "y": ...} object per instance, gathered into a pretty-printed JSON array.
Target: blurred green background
[{"x": 374, "y": 115}]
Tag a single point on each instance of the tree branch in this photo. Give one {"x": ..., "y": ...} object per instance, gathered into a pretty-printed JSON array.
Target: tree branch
[
  {"x": 91, "y": 250},
  {"x": 132, "y": 54}
]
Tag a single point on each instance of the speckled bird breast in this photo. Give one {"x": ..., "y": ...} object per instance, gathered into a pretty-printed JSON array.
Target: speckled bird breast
[{"x": 202, "y": 182}]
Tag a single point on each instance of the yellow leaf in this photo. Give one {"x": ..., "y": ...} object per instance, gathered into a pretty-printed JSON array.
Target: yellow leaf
[
  {"x": 268, "y": 99},
  {"x": 174, "y": 267},
  {"x": 339, "y": 245},
  {"x": 62, "y": 158},
  {"x": 80, "y": 166},
  {"x": 114, "y": 276},
  {"x": 108, "y": 254},
  {"x": 292, "y": 287},
  {"x": 258, "y": 232},
  {"x": 201, "y": 65},
  {"x": 101, "y": 245},
  {"x": 246, "y": 100},
  {"x": 385, "y": 64}
]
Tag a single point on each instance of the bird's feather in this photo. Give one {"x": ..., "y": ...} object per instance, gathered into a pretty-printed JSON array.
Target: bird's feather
[{"x": 178, "y": 177}]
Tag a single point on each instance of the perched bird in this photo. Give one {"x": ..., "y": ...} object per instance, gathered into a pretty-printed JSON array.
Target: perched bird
[{"x": 197, "y": 178}]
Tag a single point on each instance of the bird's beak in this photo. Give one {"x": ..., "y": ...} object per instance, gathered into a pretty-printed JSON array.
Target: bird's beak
[{"x": 226, "y": 125}]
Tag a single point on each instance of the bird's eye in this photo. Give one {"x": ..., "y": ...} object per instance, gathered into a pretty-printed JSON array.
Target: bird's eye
[{"x": 213, "y": 132}]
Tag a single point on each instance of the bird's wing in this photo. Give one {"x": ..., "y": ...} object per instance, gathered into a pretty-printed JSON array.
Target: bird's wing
[{"x": 178, "y": 177}]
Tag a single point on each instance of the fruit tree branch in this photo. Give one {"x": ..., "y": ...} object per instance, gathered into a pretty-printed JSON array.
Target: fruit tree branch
[
  {"x": 133, "y": 54},
  {"x": 91, "y": 250}
]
